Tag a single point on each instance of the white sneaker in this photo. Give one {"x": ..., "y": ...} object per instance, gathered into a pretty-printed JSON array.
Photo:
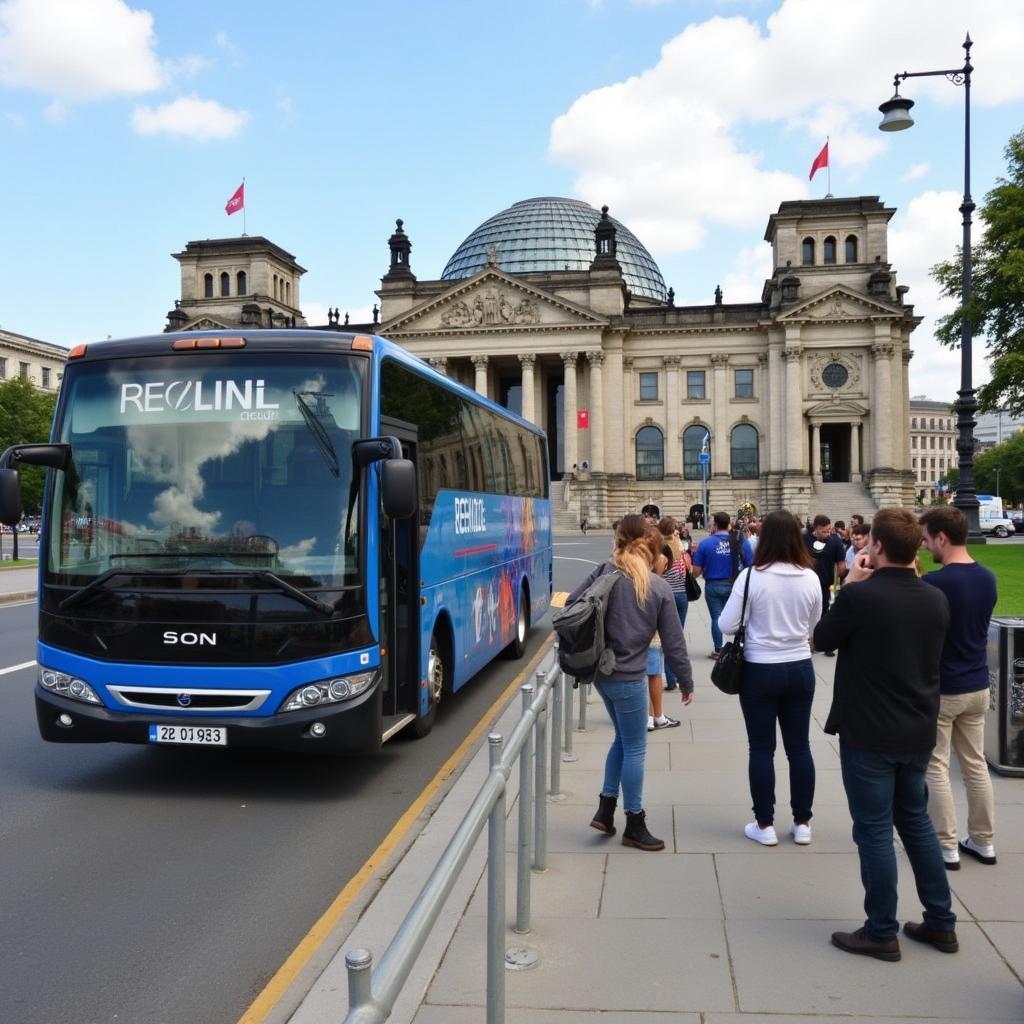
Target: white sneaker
[
  {"x": 951, "y": 858},
  {"x": 801, "y": 834},
  {"x": 764, "y": 836},
  {"x": 986, "y": 853}
]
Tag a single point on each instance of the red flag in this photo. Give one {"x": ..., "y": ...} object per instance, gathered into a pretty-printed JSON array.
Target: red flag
[
  {"x": 821, "y": 160},
  {"x": 582, "y": 419},
  {"x": 237, "y": 201}
]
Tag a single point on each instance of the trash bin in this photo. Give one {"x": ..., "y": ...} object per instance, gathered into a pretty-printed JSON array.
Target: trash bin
[{"x": 1004, "y": 721}]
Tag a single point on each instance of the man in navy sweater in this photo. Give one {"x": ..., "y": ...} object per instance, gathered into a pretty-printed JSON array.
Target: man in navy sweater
[
  {"x": 888, "y": 627},
  {"x": 971, "y": 591}
]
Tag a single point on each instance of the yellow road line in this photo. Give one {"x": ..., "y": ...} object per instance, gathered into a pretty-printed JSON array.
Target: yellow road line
[
  {"x": 314, "y": 938},
  {"x": 558, "y": 598}
]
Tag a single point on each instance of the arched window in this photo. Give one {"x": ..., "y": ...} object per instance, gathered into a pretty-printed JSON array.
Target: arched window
[
  {"x": 744, "y": 452},
  {"x": 830, "y": 250},
  {"x": 242, "y": 283},
  {"x": 693, "y": 440},
  {"x": 808, "y": 252},
  {"x": 275, "y": 286},
  {"x": 225, "y": 284},
  {"x": 650, "y": 454},
  {"x": 851, "y": 248},
  {"x": 208, "y": 286},
  {"x": 288, "y": 292}
]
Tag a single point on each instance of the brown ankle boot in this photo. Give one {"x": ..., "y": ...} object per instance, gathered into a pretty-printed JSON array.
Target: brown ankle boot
[
  {"x": 604, "y": 819},
  {"x": 635, "y": 833}
]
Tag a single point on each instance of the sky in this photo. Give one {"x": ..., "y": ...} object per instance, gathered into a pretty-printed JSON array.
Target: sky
[{"x": 125, "y": 126}]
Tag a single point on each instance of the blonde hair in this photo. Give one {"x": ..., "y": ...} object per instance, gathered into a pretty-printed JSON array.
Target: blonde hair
[{"x": 634, "y": 553}]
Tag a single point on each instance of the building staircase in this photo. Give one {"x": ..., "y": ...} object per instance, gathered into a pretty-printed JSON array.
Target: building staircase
[
  {"x": 563, "y": 520},
  {"x": 840, "y": 501}
]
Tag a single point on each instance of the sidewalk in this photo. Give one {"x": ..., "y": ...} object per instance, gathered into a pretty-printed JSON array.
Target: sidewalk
[
  {"x": 715, "y": 930},
  {"x": 18, "y": 584}
]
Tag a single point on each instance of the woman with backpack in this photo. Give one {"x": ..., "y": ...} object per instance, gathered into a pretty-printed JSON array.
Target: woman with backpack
[
  {"x": 783, "y": 606},
  {"x": 679, "y": 567},
  {"x": 639, "y": 605}
]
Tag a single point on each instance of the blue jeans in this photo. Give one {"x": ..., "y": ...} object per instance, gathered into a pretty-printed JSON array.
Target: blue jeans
[
  {"x": 779, "y": 693},
  {"x": 682, "y": 604},
  {"x": 716, "y": 593},
  {"x": 627, "y": 708},
  {"x": 884, "y": 790}
]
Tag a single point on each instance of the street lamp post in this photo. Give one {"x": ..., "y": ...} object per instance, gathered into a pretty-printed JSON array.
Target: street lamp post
[
  {"x": 998, "y": 470},
  {"x": 896, "y": 117}
]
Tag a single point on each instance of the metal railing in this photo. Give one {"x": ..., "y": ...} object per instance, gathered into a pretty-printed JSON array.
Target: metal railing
[{"x": 372, "y": 991}]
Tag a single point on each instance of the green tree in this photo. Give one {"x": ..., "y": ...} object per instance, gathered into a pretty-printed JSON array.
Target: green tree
[
  {"x": 25, "y": 418},
  {"x": 1009, "y": 457},
  {"x": 996, "y": 306}
]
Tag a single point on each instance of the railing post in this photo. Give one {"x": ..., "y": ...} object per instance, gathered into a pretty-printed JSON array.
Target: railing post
[
  {"x": 555, "y": 703},
  {"x": 496, "y": 895},
  {"x": 568, "y": 756},
  {"x": 359, "y": 964},
  {"x": 582, "y": 727},
  {"x": 540, "y": 804},
  {"x": 525, "y": 808}
]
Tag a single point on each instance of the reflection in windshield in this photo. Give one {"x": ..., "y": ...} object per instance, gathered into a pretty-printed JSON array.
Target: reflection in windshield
[{"x": 179, "y": 466}]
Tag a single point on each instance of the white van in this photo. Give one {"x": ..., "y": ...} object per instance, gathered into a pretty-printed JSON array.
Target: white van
[{"x": 992, "y": 518}]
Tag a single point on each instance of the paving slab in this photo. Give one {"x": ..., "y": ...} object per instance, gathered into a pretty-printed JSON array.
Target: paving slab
[
  {"x": 1008, "y": 938},
  {"x": 782, "y": 964},
  {"x": 677, "y": 885},
  {"x": 992, "y": 893},
  {"x": 430, "y": 1014}
]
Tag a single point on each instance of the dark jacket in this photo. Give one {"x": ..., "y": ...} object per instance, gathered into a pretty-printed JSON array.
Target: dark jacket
[
  {"x": 629, "y": 629},
  {"x": 888, "y": 631}
]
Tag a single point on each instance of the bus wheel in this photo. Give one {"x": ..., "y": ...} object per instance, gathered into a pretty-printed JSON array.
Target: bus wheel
[
  {"x": 437, "y": 684},
  {"x": 517, "y": 648}
]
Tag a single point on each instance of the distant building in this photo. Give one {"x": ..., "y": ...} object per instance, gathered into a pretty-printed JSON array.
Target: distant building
[
  {"x": 932, "y": 445},
  {"x": 996, "y": 427},
  {"x": 39, "y": 362}
]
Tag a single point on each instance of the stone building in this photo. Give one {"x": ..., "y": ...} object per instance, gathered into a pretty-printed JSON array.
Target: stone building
[
  {"x": 557, "y": 311},
  {"x": 39, "y": 362},
  {"x": 236, "y": 282},
  {"x": 932, "y": 446}
]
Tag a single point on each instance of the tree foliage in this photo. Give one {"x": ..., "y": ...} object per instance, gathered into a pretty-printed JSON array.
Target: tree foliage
[
  {"x": 25, "y": 418},
  {"x": 995, "y": 309},
  {"x": 1009, "y": 457}
]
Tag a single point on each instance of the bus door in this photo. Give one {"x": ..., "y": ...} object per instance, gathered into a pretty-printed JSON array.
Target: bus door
[{"x": 400, "y": 597}]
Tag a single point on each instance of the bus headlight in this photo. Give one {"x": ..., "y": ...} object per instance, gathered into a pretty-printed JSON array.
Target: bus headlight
[
  {"x": 328, "y": 691},
  {"x": 68, "y": 686}
]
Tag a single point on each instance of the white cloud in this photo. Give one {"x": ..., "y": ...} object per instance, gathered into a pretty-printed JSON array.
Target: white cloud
[
  {"x": 187, "y": 67},
  {"x": 915, "y": 171},
  {"x": 15, "y": 119},
  {"x": 190, "y": 117},
  {"x": 666, "y": 148},
  {"x": 77, "y": 49},
  {"x": 56, "y": 112},
  {"x": 927, "y": 231},
  {"x": 745, "y": 282}
]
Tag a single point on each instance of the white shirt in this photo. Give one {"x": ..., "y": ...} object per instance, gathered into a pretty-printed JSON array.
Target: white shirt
[{"x": 783, "y": 607}]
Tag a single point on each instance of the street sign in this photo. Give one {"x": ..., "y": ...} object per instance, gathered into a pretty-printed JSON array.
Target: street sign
[{"x": 705, "y": 458}]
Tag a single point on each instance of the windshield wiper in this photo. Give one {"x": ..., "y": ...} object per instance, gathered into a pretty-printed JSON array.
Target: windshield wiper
[
  {"x": 101, "y": 581},
  {"x": 316, "y": 428}
]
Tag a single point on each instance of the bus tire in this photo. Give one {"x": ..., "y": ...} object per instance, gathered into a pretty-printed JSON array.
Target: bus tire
[
  {"x": 438, "y": 683},
  {"x": 517, "y": 647}
]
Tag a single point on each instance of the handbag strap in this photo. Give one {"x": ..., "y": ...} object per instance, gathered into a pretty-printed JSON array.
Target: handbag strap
[{"x": 742, "y": 631}]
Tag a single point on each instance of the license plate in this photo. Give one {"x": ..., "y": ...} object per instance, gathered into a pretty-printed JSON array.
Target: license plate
[{"x": 192, "y": 735}]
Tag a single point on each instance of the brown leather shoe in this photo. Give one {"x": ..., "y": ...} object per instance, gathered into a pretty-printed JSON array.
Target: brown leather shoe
[
  {"x": 862, "y": 943},
  {"x": 944, "y": 941}
]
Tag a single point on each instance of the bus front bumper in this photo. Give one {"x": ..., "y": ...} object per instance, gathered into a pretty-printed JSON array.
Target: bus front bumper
[{"x": 353, "y": 727}]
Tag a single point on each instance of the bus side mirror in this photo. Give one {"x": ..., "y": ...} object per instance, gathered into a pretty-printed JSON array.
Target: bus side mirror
[
  {"x": 10, "y": 497},
  {"x": 398, "y": 487}
]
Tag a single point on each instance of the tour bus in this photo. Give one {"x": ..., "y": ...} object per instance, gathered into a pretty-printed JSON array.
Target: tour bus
[{"x": 294, "y": 539}]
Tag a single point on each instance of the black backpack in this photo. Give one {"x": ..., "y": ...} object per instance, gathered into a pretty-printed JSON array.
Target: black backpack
[{"x": 583, "y": 650}]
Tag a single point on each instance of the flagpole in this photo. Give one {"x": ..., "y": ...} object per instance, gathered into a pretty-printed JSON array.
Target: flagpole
[
  {"x": 828, "y": 168},
  {"x": 243, "y": 210}
]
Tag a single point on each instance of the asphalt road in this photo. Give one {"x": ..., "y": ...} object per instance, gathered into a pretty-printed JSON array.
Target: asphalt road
[{"x": 162, "y": 886}]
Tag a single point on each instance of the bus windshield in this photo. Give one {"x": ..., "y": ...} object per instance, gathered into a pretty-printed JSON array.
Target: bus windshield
[{"x": 217, "y": 462}]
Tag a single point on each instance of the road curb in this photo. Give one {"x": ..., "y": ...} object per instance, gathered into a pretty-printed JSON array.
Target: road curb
[{"x": 16, "y": 596}]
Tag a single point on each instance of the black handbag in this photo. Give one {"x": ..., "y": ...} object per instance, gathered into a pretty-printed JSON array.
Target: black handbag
[
  {"x": 692, "y": 586},
  {"x": 727, "y": 673}
]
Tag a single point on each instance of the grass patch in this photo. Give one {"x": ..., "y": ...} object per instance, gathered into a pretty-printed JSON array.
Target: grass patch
[
  {"x": 1007, "y": 562},
  {"x": 21, "y": 563}
]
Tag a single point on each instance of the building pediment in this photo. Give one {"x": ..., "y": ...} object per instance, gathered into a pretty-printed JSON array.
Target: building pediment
[
  {"x": 205, "y": 323},
  {"x": 491, "y": 301},
  {"x": 838, "y": 305},
  {"x": 836, "y": 409}
]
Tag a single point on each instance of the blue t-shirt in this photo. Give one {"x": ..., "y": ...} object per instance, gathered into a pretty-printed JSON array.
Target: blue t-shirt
[
  {"x": 970, "y": 589},
  {"x": 714, "y": 556}
]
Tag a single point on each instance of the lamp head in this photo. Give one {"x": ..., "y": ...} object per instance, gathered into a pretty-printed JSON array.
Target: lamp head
[{"x": 896, "y": 114}]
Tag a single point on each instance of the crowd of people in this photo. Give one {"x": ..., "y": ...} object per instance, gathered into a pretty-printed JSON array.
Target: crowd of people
[{"x": 911, "y": 683}]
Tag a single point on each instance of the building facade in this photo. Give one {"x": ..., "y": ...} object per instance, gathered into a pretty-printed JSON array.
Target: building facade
[
  {"x": 932, "y": 447},
  {"x": 803, "y": 397},
  {"x": 39, "y": 362}
]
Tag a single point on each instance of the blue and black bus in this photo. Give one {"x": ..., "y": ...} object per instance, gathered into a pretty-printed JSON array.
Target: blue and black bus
[{"x": 292, "y": 539}]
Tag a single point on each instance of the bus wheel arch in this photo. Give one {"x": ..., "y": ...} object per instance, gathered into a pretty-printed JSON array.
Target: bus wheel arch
[
  {"x": 440, "y": 667},
  {"x": 517, "y": 645}
]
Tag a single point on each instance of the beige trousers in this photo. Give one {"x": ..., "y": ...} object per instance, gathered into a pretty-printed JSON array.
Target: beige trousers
[{"x": 962, "y": 726}]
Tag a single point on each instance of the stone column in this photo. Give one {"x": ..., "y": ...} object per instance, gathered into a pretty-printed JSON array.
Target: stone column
[
  {"x": 816, "y": 450},
  {"x": 855, "y": 452},
  {"x": 596, "y": 360},
  {"x": 480, "y": 362},
  {"x": 881, "y": 413},
  {"x": 528, "y": 388},
  {"x": 569, "y": 408},
  {"x": 794, "y": 411},
  {"x": 614, "y": 427},
  {"x": 439, "y": 363},
  {"x": 776, "y": 406},
  {"x": 720, "y": 416},
  {"x": 904, "y": 403},
  {"x": 628, "y": 411},
  {"x": 673, "y": 445}
]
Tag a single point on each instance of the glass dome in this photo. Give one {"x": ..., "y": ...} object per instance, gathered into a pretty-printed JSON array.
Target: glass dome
[{"x": 553, "y": 234}]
